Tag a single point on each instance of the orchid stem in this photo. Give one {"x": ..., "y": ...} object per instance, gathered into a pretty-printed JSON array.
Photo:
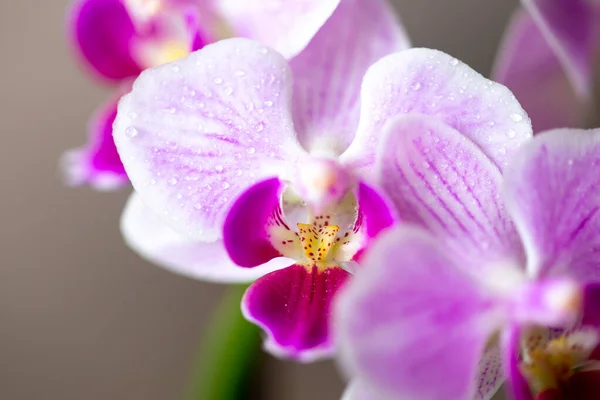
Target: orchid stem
[{"x": 228, "y": 359}]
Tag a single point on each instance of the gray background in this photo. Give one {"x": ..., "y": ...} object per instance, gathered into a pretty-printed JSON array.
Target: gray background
[{"x": 81, "y": 317}]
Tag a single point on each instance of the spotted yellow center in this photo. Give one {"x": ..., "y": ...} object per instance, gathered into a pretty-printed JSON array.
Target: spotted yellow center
[{"x": 317, "y": 241}]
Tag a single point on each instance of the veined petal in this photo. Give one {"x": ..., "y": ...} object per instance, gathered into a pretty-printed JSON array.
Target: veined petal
[
  {"x": 552, "y": 193},
  {"x": 568, "y": 26},
  {"x": 102, "y": 31},
  {"x": 293, "y": 307},
  {"x": 438, "y": 179},
  {"x": 156, "y": 242},
  {"x": 403, "y": 331},
  {"x": 285, "y": 25},
  {"x": 196, "y": 133},
  {"x": 423, "y": 81},
  {"x": 97, "y": 163},
  {"x": 328, "y": 73},
  {"x": 530, "y": 68}
]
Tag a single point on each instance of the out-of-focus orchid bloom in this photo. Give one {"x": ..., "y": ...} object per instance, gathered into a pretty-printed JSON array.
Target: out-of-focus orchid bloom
[
  {"x": 117, "y": 39},
  {"x": 483, "y": 256},
  {"x": 547, "y": 59},
  {"x": 245, "y": 152}
]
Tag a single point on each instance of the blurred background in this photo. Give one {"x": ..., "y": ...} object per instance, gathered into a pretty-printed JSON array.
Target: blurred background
[{"x": 81, "y": 316}]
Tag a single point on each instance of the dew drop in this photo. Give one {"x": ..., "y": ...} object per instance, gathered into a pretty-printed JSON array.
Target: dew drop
[
  {"x": 228, "y": 91},
  {"x": 511, "y": 133},
  {"x": 218, "y": 80},
  {"x": 415, "y": 86},
  {"x": 268, "y": 103},
  {"x": 453, "y": 62},
  {"x": 225, "y": 185},
  {"x": 173, "y": 181},
  {"x": 219, "y": 168},
  {"x": 240, "y": 72},
  {"x": 260, "y": 126},
  {"x": 251, "y": 150},
  {"x": 516, "y": 117},
  {"x": 131, "y": 132}
]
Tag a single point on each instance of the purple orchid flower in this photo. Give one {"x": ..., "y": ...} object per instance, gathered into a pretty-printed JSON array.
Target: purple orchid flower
[
  {"x": 117, "y": 39},
  {"x": 547, "y": 60},
  {"x": 270, "y": 161},
  {"x": 483, "y": 256}
]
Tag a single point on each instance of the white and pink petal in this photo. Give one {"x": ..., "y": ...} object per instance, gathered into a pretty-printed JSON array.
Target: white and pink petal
[
  {"x": 328, "y": 73},
  {"x": 195, "y": 133},
  {"x": 552, "y": 193},
  {"x": 429, "y": 82},
  {"x": 440, "y": 180},
  {"x": 156, "y": 242},
  {"x": 403, "y": 332}
]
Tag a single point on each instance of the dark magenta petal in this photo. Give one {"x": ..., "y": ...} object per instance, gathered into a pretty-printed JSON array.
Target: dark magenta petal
[
  {"x": 97, "y": 163},
  {"x": 584, "y": 385},
  {"x": 376, "y": 211},
  {"x": 293, "y": 306},
  {"x": 102, "y": 31},
  {"x": 245, "y": 230},
  {"x": 591, "y": 305},
  {"x": 516, "y": 385}
]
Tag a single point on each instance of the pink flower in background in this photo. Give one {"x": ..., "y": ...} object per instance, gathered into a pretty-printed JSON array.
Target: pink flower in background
[
  {"x": 482, "y": 257},
  {"x": 271, "y": 161},
  {"x": 548, "y": 59},
  {"x": 117, "y": 39}
]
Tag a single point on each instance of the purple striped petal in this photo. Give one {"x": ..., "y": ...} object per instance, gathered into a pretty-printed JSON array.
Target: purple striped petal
[
  {"x": 411, "y": 323},
  {"x": 490, "y": 373},
  {"x": 194, "y": 134},
  {"x": 528, "y": 66},
  {"x": 97, "y": 163},
  {"x": 429, "y": 82},
  {"x": 441, "y": 181},
  {"x": 376, "y": 210},
  {"x": 568, "y": 26},
  {"x": 102, "y": 32},
  {"x": 293, "y": 306},
  {"x": 328, "y": 73},
  {"x": 156, "y": 242},
  {"x": 286, "y": 26},
  {"x": 552, "y": 192}
]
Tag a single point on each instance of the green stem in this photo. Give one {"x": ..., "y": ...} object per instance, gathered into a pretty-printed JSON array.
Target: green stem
[{"x": 228, "y": 358}]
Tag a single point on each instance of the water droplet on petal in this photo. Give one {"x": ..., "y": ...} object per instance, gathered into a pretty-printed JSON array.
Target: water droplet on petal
[
  {"x": 219, "y": 168},
  {"x": 225, "y": 185},
  {"x": 173, "y": 181},
  {"x": 131, "y": 132},
  {"x": 516, "y": 117},
  {"x": 260, "y": 126},
  {"x": 218, "y": 80},
  {"x": 453, "y": 62},
  {"x": 268, "y": 103},
  {"x": 251, "y": 150},
  {"x": 415, "y": 86},
  {"x": 511, "y": 133}
]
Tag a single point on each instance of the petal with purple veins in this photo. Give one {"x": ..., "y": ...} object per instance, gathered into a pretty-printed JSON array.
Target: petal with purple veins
[
  {"x": 293, "y": 306},
  {"x": 429, "y": 82},
  {"x": 196, "y": 133},
  {"x": 403, "y": 332},
  {"x": 529, "y": 67},
  {"x": 156, "y": 242},
  {"x": 440, "y": 180},
  {"x": 97, "y": 163},
  {"x": 552, "y": 193},
  {"x": 328, "y": 73}
]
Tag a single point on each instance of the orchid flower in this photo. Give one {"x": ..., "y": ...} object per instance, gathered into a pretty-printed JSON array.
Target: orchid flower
[
  {"x": 482, "y": 256},
  {"x": 271, "y": 162},
  {"x": 547, "y": 60},
  {"x": 117, "y": 39}
]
